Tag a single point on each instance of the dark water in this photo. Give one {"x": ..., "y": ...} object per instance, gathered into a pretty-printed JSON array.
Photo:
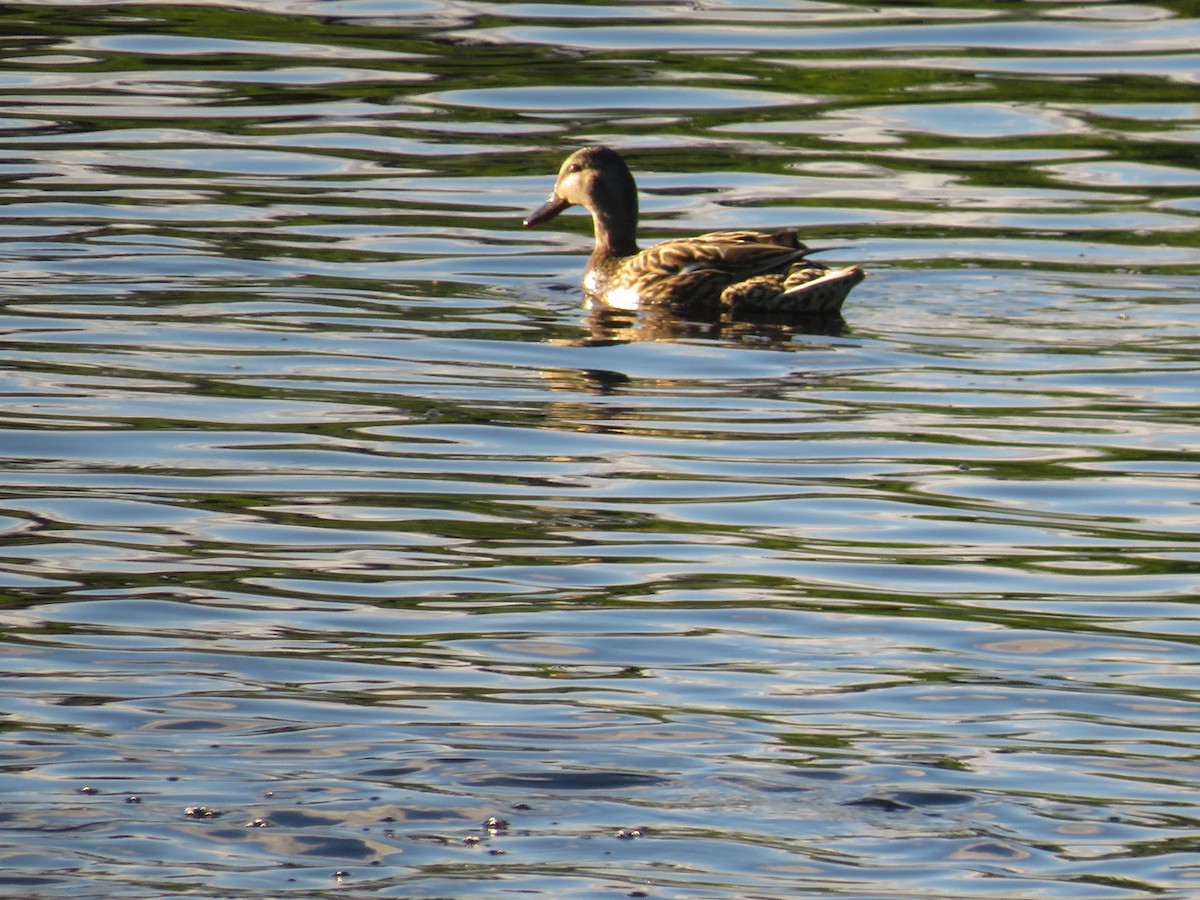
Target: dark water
[{"x": 335, "y": 527}]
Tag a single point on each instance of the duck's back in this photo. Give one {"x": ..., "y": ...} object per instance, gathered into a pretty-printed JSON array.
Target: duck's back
[{"x": 692, "y": 272}]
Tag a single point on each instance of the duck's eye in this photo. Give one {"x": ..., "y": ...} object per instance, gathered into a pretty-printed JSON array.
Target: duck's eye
[{"x": 574, "y": 167}]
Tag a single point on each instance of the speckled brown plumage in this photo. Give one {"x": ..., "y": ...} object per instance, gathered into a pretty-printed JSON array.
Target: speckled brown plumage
[{"x": 723, "y": 271}]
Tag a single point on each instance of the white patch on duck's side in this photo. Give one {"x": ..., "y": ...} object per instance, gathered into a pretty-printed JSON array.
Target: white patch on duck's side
[
  {"x": 617, "y": 298},
  {"x": 623, "y": 298}
]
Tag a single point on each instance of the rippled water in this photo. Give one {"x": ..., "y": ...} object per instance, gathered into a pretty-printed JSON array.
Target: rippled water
[{"x": 345, "y": 551}]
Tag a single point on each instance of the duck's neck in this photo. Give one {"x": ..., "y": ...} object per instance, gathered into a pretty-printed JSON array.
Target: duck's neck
[
  {"x": 614, "y": 218},
  {"x": 616, "y": 236}
]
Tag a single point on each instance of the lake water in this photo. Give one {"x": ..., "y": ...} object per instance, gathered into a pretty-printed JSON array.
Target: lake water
[{"x": 345, "y": 553}]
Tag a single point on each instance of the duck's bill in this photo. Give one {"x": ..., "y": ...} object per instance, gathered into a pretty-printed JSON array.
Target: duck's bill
[{"x": 546, "y": 211}]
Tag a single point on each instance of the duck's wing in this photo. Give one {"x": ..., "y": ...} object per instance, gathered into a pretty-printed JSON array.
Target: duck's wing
[
  {"x": 788, "y": 238},
  {"x": 694, "y": 271},
  {"x": 732, "y": 255}
]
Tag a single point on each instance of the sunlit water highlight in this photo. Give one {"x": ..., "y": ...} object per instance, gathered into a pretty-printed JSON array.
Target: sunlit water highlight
[{"x": 345, "y": 551}]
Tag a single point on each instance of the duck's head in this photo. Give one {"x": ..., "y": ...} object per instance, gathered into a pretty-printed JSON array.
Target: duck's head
[{"x": 597, "y": 179}]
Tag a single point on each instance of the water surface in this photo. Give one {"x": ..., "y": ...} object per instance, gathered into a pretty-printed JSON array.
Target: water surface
[{"x": 344, "y": 550}]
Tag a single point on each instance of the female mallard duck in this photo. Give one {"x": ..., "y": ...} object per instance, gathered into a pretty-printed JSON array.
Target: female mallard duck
[{"x": 734, "y": 271}]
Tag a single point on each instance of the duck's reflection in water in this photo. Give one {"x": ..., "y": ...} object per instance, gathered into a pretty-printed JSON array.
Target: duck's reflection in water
[{"x": 607, "y": 325}]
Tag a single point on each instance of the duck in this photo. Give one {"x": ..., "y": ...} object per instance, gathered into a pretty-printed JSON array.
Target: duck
[{"x": 722, "y": 272}]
